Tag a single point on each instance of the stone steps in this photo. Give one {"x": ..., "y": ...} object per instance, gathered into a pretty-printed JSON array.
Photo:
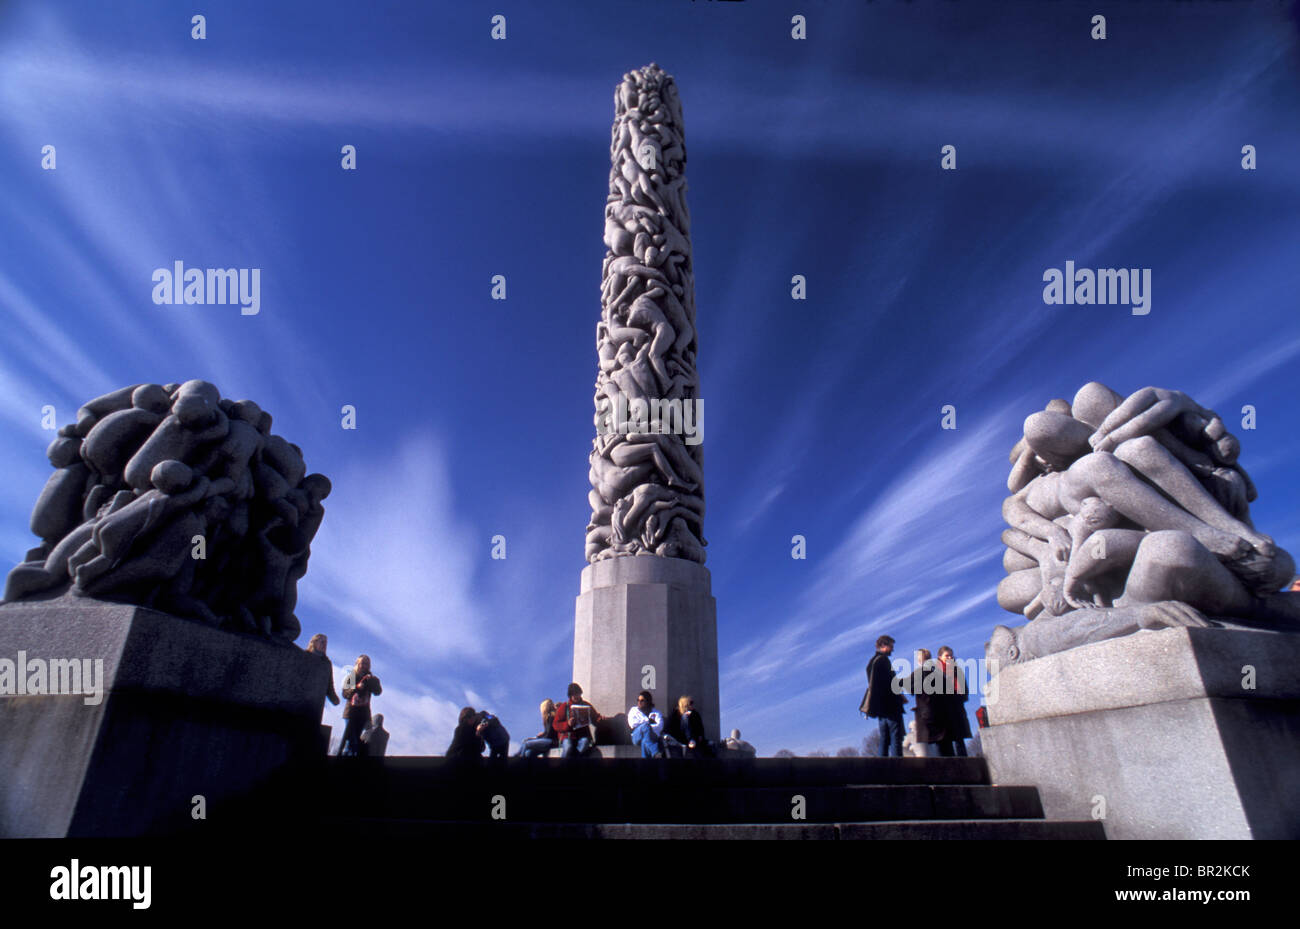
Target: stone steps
[
  {"x": 399, "y": 773},
  {"x": 836, "y": 798},
  {"x": 933, "y": 830},
  {"x": 708, "y": 805}
]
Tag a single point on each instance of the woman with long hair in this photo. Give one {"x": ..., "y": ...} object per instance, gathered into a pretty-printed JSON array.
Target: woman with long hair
[
  {"x": 545, "y": 740},
  {"x": 359, "y": 685},
  {"x": 686, "y": 728}
]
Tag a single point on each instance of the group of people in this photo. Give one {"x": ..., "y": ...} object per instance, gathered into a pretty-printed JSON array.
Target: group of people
[
  {"x": 939, "y": 688},
  {"x": 476, "y": 730},
  {"x": 680, "y": 735},
  {"x": 571, "y": 727},
  {"x": 362, "y": 735}
]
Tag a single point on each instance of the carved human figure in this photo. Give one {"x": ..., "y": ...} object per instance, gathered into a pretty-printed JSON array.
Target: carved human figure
[
  {"x": 1107, "y": 477},
  {"x": 624, "y": 276},
  {"x": 1151, "y": 408},
  {"x": 172, "y": 497},
  {"x": 58, "y": 509},
  {"x": 126, "y": 531},
  {"x": 1057, "y": 437},
  {"x": 1048, "y": 584},
  {"x": 681, "y": 541},
  {"x": 1152, "y": 529},
  {"x": 633, "y": 375},
  {"x": 94, "y": 410},
  {"x": 195, "y": 420},
  {"x": 645, "y": 486},
  {"x": 115, "y": 435},
  {"x": 624, "y": 461},
  {"x": 1047, "y": 636}
]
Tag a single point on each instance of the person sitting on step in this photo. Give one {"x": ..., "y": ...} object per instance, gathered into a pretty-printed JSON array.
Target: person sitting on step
[
  {"x": 545, "y": 740},
  {"x": 574, "y": 722},
  {"x": 647, "y": 725},
  {"x": 685, "y": 731}
]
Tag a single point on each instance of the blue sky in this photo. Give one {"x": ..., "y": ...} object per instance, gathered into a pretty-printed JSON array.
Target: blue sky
[{"x": 818, "y": 157}]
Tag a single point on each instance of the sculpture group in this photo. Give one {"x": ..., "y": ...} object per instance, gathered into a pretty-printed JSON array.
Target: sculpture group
[
  {"x": 175, "y": 498},
  {"x": 1132, "y": 513},
  {"x": 647, "y": 492}
]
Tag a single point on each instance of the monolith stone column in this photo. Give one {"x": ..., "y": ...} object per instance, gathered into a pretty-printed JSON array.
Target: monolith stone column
[{"x": 646, "y": 617}]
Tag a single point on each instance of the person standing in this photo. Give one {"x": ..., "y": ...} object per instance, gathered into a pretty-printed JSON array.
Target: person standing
[
  {"x": 317, "y": 646},
  {"x": 924, "y": 684},
  {"x": 359, "y": 685},
  {"x": 883, "y": 701},
  {"x": 950, "y": 713}
]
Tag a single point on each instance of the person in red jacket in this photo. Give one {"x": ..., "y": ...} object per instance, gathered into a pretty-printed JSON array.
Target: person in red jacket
[{"x": 573, "y": 724}]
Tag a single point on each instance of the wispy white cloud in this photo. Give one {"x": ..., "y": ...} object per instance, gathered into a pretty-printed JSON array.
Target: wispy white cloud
[
  {"x": 106, "y": 238},
  {"x": 46, "y": 345},
  {"x": 1246, "y": 371},
  {"x": 54, "y": 75},
  {"x": 760, "y": 508},
  {"x": 768, "y": 725},
  {"x": 51, "y": 73},
  {"x": 896, "y": 562},
  {"x": 393, "y": 558}
]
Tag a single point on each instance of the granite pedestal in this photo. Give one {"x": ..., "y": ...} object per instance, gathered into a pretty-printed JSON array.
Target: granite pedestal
[
  {"x": 644, "y": 612},
  {"x": 186, "y": 711},
  {"x": 1171, "y": 734}
]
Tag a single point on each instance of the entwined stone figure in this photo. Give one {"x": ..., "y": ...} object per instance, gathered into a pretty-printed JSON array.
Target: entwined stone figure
[
  {"x": 1132, "y": 513},
  {"x": 174, "y": 498},
  {"x": 647, "y": 488}
]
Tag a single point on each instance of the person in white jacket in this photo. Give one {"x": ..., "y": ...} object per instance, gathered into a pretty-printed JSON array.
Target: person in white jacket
[{"x": 647, "y": 725}]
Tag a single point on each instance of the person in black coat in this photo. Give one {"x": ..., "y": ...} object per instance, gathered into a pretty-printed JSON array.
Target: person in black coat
[
  {"x": 494, "y": 734},
  {"x": 952, "y": 728},
  {"x": 466, "y": 742},
  {"x": 686, "y": 728},
  {"x": 881, "y": 701}
]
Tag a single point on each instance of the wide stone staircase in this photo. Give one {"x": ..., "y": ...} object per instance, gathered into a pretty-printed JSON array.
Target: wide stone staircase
[{"x": 625, "y": 798}]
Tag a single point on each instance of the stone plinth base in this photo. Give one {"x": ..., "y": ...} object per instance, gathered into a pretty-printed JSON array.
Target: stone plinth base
[
  {"x": 186, "y": 711},
  {"x": 605, "y": 751},
  {"x": 642, "y": 617},
  {"x": 1170, "y": 734}
]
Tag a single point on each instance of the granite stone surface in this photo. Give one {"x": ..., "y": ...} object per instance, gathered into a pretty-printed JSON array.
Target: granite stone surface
[
  {"x": 186, "y": 710},
  {"x": 641, "y": 618},
  {"x": 1181, "y": 733},
  {"x": 1151, "y": 666}
]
